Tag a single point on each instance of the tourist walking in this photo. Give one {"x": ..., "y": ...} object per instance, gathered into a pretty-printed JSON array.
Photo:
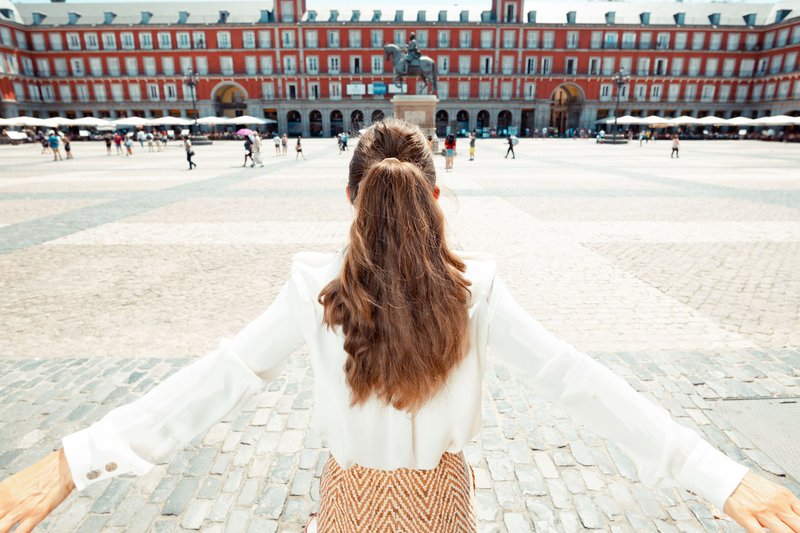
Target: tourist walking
[
  {"x": 129, "y": 145},
  {"x": 676, "y": 144},
  {"x": 277, "y": 141},
  {"x": 248, "y": 151},
  {"x": 472, "y": 137},
  {"x": 107, "y": 139},
  {"x": 345, "y": 140},
  {"x": 118, "y": 143},
  {"x": 187, "y": 146},
  {"x": 449, "y": 152},
  {"x": 284, "y": 143},
  {"x": 410, "y": 322},
  {"x": 299, "y": 148},
  {"x": 67, "y": 147},
  {"x": 149, "y": 138},
  {"x": 257, "y": 159},
  {"x": 641, "y": 138},
  {"x": 53, "y": 142},
  {"x": 511, "y": 140}
]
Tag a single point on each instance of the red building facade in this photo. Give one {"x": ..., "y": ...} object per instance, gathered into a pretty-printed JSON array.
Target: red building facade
[{"x": 514, "y": 67}]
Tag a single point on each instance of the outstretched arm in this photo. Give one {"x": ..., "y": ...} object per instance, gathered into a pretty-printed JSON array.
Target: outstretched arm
[{"x": 665, "y": 453}]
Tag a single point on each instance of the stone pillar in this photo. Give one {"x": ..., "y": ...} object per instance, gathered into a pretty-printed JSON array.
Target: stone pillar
[{"x": 419, "y": 109}]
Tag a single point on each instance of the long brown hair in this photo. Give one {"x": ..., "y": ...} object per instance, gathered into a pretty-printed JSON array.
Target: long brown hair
[{"x": 400, "y": 298}]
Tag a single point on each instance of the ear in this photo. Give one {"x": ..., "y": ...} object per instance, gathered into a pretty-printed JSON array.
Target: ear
[
  {"x": 347, "y": 193},
  {"x": 436, "y": 192}
]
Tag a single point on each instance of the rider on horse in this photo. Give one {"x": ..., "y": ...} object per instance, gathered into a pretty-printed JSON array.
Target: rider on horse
[{"x": 412, "y": 53}]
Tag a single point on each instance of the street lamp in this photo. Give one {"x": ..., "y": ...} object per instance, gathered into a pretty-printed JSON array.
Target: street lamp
[
  {"x": 191, "y": 80},
  {"x": 620, "y": 79}
]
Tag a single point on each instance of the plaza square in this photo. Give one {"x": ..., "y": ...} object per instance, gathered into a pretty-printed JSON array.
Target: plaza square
[{"x": 679, "y": 274}]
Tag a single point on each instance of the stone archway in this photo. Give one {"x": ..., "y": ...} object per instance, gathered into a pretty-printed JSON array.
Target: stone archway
[
  {"x": 294, "y": 122},
  {"x": 337, "y": 122},
  {"x": 377, "y": 116},
  {"x": 356, "y": 121},
  {"x": 442, "y": 123},
  {"x": 482, "y": 121},
  {"x": 566, "y": 105},
  {"x": 503, "y": 122},
  {"x": 315, "y": 124},
  {"x": 462, "y": 121},
  {"x": 230, "y": 99}
]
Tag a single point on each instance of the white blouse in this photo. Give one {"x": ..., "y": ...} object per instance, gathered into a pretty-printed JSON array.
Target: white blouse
[{"x": 131, "y": 438}]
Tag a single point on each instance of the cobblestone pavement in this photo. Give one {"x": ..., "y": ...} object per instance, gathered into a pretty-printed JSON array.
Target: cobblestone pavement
[{"x": 678, "y": 274}]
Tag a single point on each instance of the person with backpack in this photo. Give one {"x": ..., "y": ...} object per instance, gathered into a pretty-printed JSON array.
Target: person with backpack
[
  {"x": 248, "y": 151},
  {"x": 449, "y": 152}
]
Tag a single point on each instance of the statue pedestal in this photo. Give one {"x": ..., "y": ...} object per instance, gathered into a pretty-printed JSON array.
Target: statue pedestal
[{"x": 419, "y": 109}]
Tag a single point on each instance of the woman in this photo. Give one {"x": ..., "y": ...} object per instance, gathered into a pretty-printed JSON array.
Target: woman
[
  {"x": 449, "y": 151},
  {"x": 510, "y": 142},
  {"x": 397, "y": 325},
  {"x": 187, "y": 146},
  {"x": 676, "y": 144},
  {"x": 248, "y": 151},
  {"x": 298, "y": 148},
  {"x": 284, "y": 143}
]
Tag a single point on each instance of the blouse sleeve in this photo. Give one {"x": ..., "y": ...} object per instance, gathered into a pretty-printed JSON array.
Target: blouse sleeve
[
  {"x": 131, "y": 438},
  {"x": 664, "y": 452}
]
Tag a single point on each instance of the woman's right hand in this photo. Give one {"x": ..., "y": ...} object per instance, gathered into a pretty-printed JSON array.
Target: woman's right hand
[{"x": 27, "y": 497}]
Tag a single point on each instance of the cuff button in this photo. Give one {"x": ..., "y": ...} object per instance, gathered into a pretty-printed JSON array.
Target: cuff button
[
  {"x": 110, "y": 467},
  {"x": 93, "y": 474}
]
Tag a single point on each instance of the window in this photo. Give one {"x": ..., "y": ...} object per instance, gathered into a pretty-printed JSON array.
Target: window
[
  {"x": 149, "y": 66},
  {"x": 690, "y": 93},
  {"x": 76, "y": 63},
  {"x": 444, "y": 39},
  {"x": 266, "y": 65},
  {"x": 91, "y": 41},
  {"x": 486, "y": 38},
  {"x": 762, "y": 66},
  {"x": 354, "y": 38},
  {"x": 251, "y": 65},
  {"x": 170, "y": 92},
  {"x": 509, "y": 39},
  {"x": 507, "y": 65},
  {"x": 199, "y": 39},
  {"x": 707, "y": 94},
  {"x": 661, "y": 67},
  {"x": 100, "y": 92},
  {"x": 572, "y": 39},
  {"x": 312, "y": 64},
  {"x": 131, "y": 66},
  {"x": 775, "y": 64},
  {"x": 783, "y": 89},
  {"x": 377, "y": 65},
  {"x": 605, "y": 92},
  {"x": 5, "y": 36},
  {"x": 109, "y": 41},
  {"x": 746, "y": 67},
  {"x": 202, "y": 64},
  {"x": 183, "y": 40},
  {"x": 465, "y": 38},
  {"x": 547, "y": 65},
  {"x": 674, "y": 92},
  {"x": 47, "y": 93},
  {"x": 506, "y": 90},
  {"x": 645, "y": 40},
  {"x": 27, "y": 66},
  {"x": 643, "y": 67},
  {"x": 733, "y": 41},
  {"x": 165, "y": 40},
  {"x": 751, "y": 41},
  {"x": 33, "y": 90},
  {"x": 19, "y": 91},
  {"x": 783, "y": 38},
  {"x": 548, "y": 39},
  {"x": 611, "y": 39},
  {"x": 769, "y": 40},
  {"x": 336, "y": 90},
  {"x": 186, "y": 65},
  {"x": 376, "y": 38},
  {"x": 96, "y": 66},
  {"x": 662, "y": 41},
  {"x": 116, "y": 92},
  {"x": 312, "y": 39},
  {"x": 712, "y": 63},
  {"x": 655, "y": 93},
  {"x": 153, "y": 93},
  {"x": 313, "y": 91},
  {"x": 486, "y": 65},
  {"x": 43, "y": 67},
  {"x": 226, "y": 65},
  {"x": 791, "y": 62},
  {"x": 724, "y": 93},
  {"x": 112, "y": 64},
  {"x": 399, "y": 36},
  {"x": 442, "y": 90},
  {"x": 485, "y": 90},
  {"x": 628, "y": 40},
  {"x": 65, "y": 93},
  {"x": 796, "y": 40},
  {"x": 728, "y": 67},
  {"x": 698, "y": 40},
  {"x": 422, "y": 38},
  {"x": 22, "y": 42},
  {"x": 530, "y": 65},
  {"x": 640, "y": 92},
  {"x": 571, "y": 66},
  {"x": 249, "y": 39},
  {"x": 464, "y": 64},
  {"x": 146, "y": 41},
  {"x": 82, "y": 92},
  {"x": 268, "y": 90},
  {"x": 168, "y": 66},
  {"x": 333, "y": 39},
  {"x": 291, "y": 90},
  {"x": 694, "y": 66},
  {"x": 715, "y": 41},
  {"x": 55, "y": 42},
  {"x": 73, "y": 41},
  {"x": 37, "y": 39},
  {"x": 355, "y": 64},
  {"x": 757, "y": 90},
  {"x": 597, "y": 40},
  {"x": 608, "y": 66},
  {"x": 795, "y": 94},
  {"x": 287, "y": 39},
  {"x": 594, "y": 66},
  {"x": 264, "y": 39},
  {"x": 127, "y": 40},
  {"x": 463, "y": 90},
  {"x": 532, "y": 39},
  {"x": 680, "y": 40},
  {"x": 444, "y": 64},
  {"x": 333, "y": 65}
]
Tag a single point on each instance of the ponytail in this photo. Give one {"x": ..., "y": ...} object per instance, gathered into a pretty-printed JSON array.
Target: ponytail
[{"x": 400, "y": 299}]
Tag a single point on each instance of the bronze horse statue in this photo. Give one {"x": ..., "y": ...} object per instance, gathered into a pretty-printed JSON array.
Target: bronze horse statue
[{"x": 426, "y": 69}]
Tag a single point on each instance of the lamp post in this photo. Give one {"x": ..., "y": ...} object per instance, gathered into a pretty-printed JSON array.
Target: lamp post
[
  {"x": 620, "y": 79},
  {"x": 191, "y": 80}
]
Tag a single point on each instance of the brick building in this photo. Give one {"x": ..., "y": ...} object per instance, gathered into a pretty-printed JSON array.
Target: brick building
[{"x": 318, "y": 70}]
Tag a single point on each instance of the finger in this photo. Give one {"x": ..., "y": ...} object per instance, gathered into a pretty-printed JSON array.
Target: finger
[
  {"x": 792, "y": 520},
  {"x": 775, "y": 524},
  {"x": 750, "y": 524},
  {"x": 27, "y": 525},
  {"x": 7, "y": 522}
]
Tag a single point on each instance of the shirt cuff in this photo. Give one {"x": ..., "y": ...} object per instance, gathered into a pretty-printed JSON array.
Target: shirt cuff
[
  {"x": 711, "y": 474},
  {"x": 89, "y": 465}
]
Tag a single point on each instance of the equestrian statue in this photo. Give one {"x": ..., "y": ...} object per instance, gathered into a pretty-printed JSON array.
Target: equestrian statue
[{"x": 408, "y": 61}]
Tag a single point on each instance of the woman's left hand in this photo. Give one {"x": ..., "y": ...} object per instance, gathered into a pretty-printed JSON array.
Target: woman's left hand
[{"x": 758, "y": 503}]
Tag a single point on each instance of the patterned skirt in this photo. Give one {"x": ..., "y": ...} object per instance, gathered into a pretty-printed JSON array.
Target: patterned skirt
[{"x": 362, "y": 499}]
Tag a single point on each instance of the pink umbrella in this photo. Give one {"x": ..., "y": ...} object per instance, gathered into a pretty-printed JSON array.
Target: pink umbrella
[{"x": 244, "y": 132}]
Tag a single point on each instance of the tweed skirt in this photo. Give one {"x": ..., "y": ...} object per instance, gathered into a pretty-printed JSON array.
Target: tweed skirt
[{"x": 361, "y": 499}]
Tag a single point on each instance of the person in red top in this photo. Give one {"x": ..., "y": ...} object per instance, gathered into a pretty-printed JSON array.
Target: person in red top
[{"x": 449, "y": 151}]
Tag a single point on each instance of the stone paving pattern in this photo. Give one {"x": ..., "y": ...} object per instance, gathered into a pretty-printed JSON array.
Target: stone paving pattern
[{"x": 678, "y": 274}]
